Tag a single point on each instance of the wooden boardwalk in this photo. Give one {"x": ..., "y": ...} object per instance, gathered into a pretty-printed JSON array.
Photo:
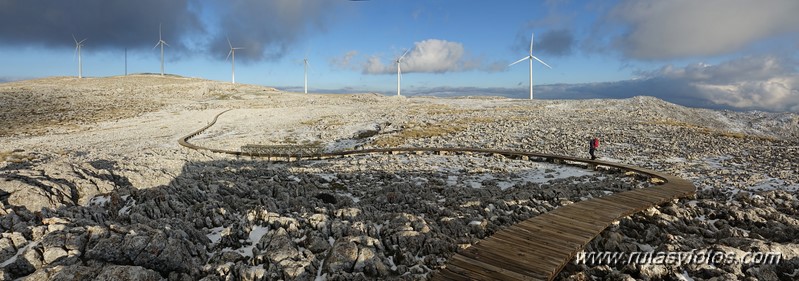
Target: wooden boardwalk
[{"x": 537, "y": 248}]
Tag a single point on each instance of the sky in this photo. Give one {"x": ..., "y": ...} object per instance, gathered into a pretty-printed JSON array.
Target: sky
[{"x": 721, "y": 54}]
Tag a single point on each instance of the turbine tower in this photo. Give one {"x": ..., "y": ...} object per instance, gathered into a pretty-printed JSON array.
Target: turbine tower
[
  {"x": 162, "y": 43},
  {"x": 306, "y": 74},
  {"x": 531, "y": 57},
  {"x": 233, "y": 60},
  {"x": 78, "y": 45},
  {"x": 399, "y": 71}
]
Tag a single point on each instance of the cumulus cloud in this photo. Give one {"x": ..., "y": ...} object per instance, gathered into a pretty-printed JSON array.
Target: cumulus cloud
[
  {"x": 762, "y": 83},
  {"x": 265, "y": 29},
  {"x": 431, "y": 56},
  {"x": 679, "y": 29}
]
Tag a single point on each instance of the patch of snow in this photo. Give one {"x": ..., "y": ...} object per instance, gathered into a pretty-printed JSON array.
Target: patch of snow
[
  {"x": 100, "y": 200},
  {"x": 645, "y": 247},
  {"x": 327, "y": 177},
  {"x": 716, "y": 162},
  {"x": 255, "y": 235},
  {"x": 319, "y": 275},
  {"x": 474, "y": 184},
  {"x": 505, "y": 185},
  {"x": 215, "y": 234},
  {"x": 452, "y": 180},
  {"x": 391, "y": 263},
  {"x": 126, "y": 209},
  {"x": 769, "y": 184},
  {"x": 561, "y": 172},
  {"x": 331, "y": 240},
  {"x": 675, "y": 160},
  {"x": 475, "y": 223}
]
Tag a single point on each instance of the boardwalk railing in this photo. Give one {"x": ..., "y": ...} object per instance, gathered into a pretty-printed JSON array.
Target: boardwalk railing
[{"x": 537, "y": 248}]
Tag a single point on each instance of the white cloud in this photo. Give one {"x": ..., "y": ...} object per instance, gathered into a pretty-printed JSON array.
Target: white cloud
[
  {"x": 778, "y": 93},
  {"x": 686, "y": 28},
  {"x": 344, "y": 61},
  {"x": 430, "y": 56},
  {"x": 763, "y": 83}
]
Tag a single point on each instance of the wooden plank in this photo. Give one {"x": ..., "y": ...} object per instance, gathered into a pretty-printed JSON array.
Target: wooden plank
[
  {"x": 646, "y": 196},
  {"x": 604, "y": 207},
  {"x": 534, "y": 230},
  {"x": 562, "y": 222},
  {"x": 567, "y": 234},
  {"x": 630, "y": 203},
  {"x": 539, "y": 245},
  {"x": 499, "y": 257},
  {"x": 662, "y": 190},
  {"x": 579, "y": 211},
  {"x": 611, "y": 202},
  {"x": 549, "y": 224},
  {"x": 530, "y": 264},
  {"x": 489, "y": 270}
]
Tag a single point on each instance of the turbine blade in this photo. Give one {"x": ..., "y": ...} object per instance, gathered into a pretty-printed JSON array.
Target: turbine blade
[
  {"x": 159, "y": 32},
  {"x": 531, "y": 43},
  {"x": 73, "y": 38},
  {"x": 541, "y": 62},
  {"x": 403, "y": 55},
  {"x": 81, "y": 41},
  {"x": 228, "y": 54},
  {"x": 521, "y": 60},
  {"x": 156, "y": 45},
  {"x": 229, "y": 44},
  {"x": 164, "y": 42}
]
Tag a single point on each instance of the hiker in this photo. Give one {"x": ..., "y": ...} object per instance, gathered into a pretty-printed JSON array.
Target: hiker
[{"x": 593, "y": 144}]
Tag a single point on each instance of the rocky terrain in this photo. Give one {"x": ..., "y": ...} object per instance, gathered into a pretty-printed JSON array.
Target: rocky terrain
[{"x": 94, "y": 186}]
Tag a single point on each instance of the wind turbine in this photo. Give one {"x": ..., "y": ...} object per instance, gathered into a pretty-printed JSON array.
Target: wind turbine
[
  {"x": 78, "y": 45},
  {"x": 162, "y": 43},
  {"x": 399, "y": 71},
  {"x": 306, "y": 74},
  {"x": 531, "y": 57},
  {"x": 233, "y": 53}
]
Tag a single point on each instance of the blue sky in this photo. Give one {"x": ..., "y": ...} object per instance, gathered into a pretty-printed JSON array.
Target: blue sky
[{"x": 735, "y": 54}]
